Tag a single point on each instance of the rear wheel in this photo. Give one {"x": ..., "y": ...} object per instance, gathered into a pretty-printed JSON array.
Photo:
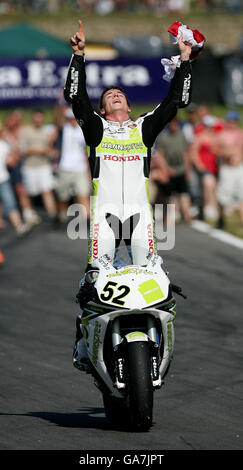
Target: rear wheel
[{"x": 140, "y": 385}]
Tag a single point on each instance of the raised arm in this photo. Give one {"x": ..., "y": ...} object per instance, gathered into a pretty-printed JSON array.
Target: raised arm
[
  {"x": 179, "y": 96},
  {"x": 75, "y": 91}
]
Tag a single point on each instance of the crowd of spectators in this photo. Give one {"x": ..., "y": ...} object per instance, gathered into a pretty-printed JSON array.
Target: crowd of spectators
[
  {"x": 104, "y": 7},
  {"x": 42, "y": 168},
  {"x": 196, "y": 164}
]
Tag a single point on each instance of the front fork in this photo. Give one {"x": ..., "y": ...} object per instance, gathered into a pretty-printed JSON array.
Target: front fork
[{"x": 118, "y": 344}]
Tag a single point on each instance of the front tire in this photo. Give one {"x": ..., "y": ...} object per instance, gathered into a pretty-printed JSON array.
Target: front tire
[
  {"x": 115, "y": 411},
  {"x": 140, "y": 385}
]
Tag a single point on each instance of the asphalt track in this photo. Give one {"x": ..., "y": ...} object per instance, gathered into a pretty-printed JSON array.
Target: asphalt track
[{"x": 46, "y": 404}]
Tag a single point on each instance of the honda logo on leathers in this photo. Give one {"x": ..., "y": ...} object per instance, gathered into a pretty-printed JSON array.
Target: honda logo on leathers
[
  {"x": 150, "y": 239},
  {"x": 95, "y": 241},
  {"x": 120, "y": 158}
]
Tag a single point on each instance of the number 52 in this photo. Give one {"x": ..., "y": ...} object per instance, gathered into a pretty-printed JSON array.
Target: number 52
[{"x": 108, "y": 293}]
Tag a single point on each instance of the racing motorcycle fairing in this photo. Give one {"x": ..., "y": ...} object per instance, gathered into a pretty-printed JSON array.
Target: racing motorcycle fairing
[
  {"x": 133, "y": 303},
  {"x": 132, "y": 286}
]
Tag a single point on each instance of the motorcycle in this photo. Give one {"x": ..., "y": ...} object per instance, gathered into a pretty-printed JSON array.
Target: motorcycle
[{"x": 128, "y": 325}]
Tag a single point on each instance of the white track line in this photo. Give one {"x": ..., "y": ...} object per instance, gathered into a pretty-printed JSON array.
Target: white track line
[{"x": 216, "y": 233}]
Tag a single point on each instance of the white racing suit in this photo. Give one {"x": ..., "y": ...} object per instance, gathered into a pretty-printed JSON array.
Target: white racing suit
[{"x": 120, "y": 161}]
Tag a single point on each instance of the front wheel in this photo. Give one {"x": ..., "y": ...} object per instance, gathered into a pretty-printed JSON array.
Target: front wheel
[
  {"x": 140, "y": 385},
  {"x": 116, "y": 411}
]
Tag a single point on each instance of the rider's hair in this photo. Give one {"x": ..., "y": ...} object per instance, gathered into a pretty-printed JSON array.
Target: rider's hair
[{"x": 112, "y": 88}]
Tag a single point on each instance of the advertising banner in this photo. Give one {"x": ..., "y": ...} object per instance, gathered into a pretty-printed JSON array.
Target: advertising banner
[{"x": 39, "y": 81}]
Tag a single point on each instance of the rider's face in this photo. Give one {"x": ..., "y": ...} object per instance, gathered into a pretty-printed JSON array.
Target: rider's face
[{"x": 114, "y": 100}]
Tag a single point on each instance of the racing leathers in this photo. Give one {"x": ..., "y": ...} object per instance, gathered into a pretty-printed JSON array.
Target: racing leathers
[{"x": 120, "y": 162}]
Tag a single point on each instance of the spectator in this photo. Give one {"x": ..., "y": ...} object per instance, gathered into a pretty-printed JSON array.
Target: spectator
[
  {"x": 171, "y": 150},
  {"x": 3, "y": 223},
  {"x": 229, "y": 148},
  {"x": 10, "y": 133},
  {"x": 203, "y": 111},
  {"x": 189, "y": 131},
  {"x": 37, "y": 170},
  {"x": 73, "y": 176},
  {"x": 7, "y": 197},
  {"x": 2, "y": 259},
  {"x": 233, "y": 6},
  {"x": 104, "y": 7},
  {"x": 177, "y": 6},
  {"x": 87, "y": 5},
  {"x": 188, "y": 127},
  {"x": 204, "y": 161},
  {"x": 59, "y": 109}
]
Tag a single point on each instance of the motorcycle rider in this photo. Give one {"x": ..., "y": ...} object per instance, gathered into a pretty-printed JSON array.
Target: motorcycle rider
[{"x": 120, "y": 152}]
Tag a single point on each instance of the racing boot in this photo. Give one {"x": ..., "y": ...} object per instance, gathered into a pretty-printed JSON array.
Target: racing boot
[
  {"x": 86, "y": 287},
  {"x": 86, "y": 290},
  {"x": 80, "y": 355}
]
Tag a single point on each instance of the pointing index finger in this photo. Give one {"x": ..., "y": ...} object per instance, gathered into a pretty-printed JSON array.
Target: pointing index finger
[{"x": 81, "y": 29}]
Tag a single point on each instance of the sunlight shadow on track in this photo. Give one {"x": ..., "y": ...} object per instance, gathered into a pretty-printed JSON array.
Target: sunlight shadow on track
[{"x": 82, "y": 419}]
